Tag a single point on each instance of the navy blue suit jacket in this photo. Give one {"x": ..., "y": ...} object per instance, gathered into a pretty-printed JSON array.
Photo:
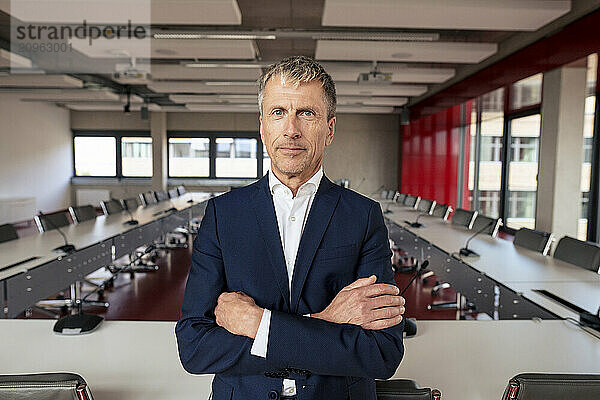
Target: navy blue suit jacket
[{"x": 238, "y": 248}]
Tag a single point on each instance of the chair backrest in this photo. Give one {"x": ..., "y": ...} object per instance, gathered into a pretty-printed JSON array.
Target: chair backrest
[
  {"x": 553, "y": 387},
  {"x": 384, "y": 194},
  {"x": 48, "y": 222},
  {"x": 404, "y": 389},
  {"x": 442, "y": 211},
  {"x": 55, "y": 386},
  {"x": 426, "y": 206},
  {"x": 392, "y": 194},
  {"x": 7, "y": 233},
  {"x": 83, "y": 213},
  {"x": 462, "y": 217},
  {"x": 181, "y": 189},
  {"x": 489, "y": 225},
  {"x": 533, "y": 240},
  {"x": 401, "y": 198},
  {"x": 411, "y": 201},
  {"x": 112, "y": 206},
  {"x": 580, "y": 253},
  {"x": 161, "y": 196},
  {"x": 131, "y": 203},
  {"x": 173, "y": 193},
  {"x": 148, "y": 198}
]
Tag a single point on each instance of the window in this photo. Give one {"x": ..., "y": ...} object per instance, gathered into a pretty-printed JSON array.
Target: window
[
  {"x": 95, "y": 156},
  {"x": 136, "y": 153},
  {"x": 236, "y": 158},
  {"x": 189, "y": 157},
  {"x": 526, "y": 92},
  {"x": 266, "y": 160}
]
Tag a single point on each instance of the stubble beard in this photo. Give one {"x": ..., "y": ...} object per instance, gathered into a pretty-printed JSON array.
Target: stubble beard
[{"x": 286, "y": 166}]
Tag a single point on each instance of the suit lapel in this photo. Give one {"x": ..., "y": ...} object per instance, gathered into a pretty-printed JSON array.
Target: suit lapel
[
  {"x": 322, "y": 209},
  {"x": 267, "y": 222}
]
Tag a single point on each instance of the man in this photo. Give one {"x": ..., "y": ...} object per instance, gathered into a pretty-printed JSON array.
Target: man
[{"x": 282, "y": 300}]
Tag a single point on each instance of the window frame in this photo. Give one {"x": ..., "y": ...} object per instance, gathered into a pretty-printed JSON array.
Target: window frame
[
  {"x": 212, "y": 151},
  {"x": 118, "y": 135}
]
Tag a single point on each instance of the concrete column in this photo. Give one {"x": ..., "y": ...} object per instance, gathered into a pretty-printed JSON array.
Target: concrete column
[
  {"x": 158, "y": 130},
  {"x": 561, "y": 142}
]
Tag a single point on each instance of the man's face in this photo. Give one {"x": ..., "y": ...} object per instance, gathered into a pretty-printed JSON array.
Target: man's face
[{"x": 294, "y": 126}]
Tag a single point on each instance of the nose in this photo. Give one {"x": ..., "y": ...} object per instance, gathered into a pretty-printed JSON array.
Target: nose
[{"x": 291, "y": 128}]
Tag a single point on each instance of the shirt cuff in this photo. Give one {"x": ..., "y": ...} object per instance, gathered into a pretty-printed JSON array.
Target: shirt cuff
[{"x": 261, "y": 341}]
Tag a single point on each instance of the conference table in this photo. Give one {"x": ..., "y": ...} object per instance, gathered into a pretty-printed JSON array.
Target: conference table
[
  {"x": 519, "y": 273},
  {"x": 138, "y": 360},
  {"x": 31, "y": 270}
]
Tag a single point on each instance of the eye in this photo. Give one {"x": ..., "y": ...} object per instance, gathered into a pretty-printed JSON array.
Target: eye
[
  {"x": 307, "y": 113},
  {"x": 277, "y": 111}
]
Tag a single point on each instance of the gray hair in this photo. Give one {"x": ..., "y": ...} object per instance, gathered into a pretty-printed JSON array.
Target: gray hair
[{"x": 296, "y": 70}]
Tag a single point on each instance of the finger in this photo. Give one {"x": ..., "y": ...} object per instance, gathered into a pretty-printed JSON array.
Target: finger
[
  {"x": 385, "y": 313},
  {"x": 361, "y": 282},
  {"x": 386, "y": 301},
  {"x": 380, "y": 289},
  {"x": 383, "y": 323}
]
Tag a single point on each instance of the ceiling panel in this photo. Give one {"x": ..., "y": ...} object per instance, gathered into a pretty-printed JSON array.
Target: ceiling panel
[
  {"x": 372, "y": 101},
  {"x": 401, "y": 73},
  {"x": 196, "y": 12},
  {"x": 250, "y": 108},
  {"x": 199, "y": 87},
  {"x": 438, "y": 52},
  {"x": 364, "y": 110},
  {"x": 40, "y": 80},
  {"x": 354, "y": 89},
  {"x": 71, "y": 95},
  {"x": 231, "y": 99},
  {"x": 180, "y": 72},
  {"x": 507, "y": 15},
  {"x": 12, "y": 60},
  {"x": 106, "y": 106}
]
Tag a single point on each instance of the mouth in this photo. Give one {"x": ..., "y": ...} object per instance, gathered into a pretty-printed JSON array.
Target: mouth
[{"x": 291, "y": 151}]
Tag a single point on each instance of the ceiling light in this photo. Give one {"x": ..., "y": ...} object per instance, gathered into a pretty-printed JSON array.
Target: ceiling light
[
  {"x": 378, "y": 36},
  {"x": 222, "y": 65},
  {"x": 230, "y": 83},
  {"x": 224, "y": 36}
]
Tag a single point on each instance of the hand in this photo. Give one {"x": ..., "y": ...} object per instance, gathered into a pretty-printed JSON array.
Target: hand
[
  {"x": 238, "y": 313},
  {"x": 366, "y": 303}
]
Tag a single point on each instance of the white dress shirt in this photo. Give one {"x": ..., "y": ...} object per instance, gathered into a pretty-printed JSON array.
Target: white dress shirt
[{"x": 292, "y": 213}]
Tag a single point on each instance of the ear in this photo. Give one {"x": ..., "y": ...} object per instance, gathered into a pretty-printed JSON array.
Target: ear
[
  {"x": 260, "y": 128},
  {"x": 330, "y": 131}
]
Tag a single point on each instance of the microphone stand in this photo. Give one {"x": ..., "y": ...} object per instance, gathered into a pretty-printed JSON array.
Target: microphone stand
[
  {"x": 67, "y": 247},
  {"x": 416, "y": 224},
  {"x": 465, "y": 251},
  {"x": 410, "y": 325}
]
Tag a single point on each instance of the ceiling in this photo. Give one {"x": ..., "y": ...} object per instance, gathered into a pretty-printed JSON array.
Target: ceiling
[{"x": 205, "y": 55}]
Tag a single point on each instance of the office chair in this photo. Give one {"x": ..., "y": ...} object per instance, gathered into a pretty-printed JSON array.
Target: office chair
[
  {"x": 577, "y": 252},
  {"x": 552, "y": 387},
  {"x": 462, "y": 217},
  {"x": 426, "y": 206},
  {"x": 181, "y": 190},
  {"x": 161, "y": 196},
  {"x": 48, "y": 222},
  {"x": 131, "y": 203},
  {"x": 404, "y": 389},
  {"x": 412, "y": 201},
  {"x": 384, "y": 194},
  {"x": 442, "y": 211},
  {"x": 7, "y": 233},
  {"x": 111, "y": 206},
  {"x": 401, "y": 198},
  {"x": 534, "y": 240},
  {"x": 489, "y": 225},
  {"x": 173, "y": 193},
  {"x": 83, "y": 213},
  {"x": 48, "y": 386},
  {"x": 148, "y": 198}
]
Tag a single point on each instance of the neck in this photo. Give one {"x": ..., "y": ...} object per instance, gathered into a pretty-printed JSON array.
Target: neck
[{"x": 293, "y": 182}]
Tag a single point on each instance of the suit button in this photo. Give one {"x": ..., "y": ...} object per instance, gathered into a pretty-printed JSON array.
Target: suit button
[{"x": 273, "y": 395}]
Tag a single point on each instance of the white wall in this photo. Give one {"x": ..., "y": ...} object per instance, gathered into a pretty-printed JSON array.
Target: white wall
[{"x": 35, "y": 152}]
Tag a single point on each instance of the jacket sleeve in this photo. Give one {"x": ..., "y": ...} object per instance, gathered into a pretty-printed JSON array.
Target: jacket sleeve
[
  {"x": 205, "y": 347},
  {"x": 326, "y": 348}
]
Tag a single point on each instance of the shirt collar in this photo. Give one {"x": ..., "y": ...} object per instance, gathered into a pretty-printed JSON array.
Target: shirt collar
[{"x": 308, "y": 187}]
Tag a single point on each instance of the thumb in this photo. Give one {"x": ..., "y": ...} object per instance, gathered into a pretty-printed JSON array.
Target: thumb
[{"x": 361, "y": 282}]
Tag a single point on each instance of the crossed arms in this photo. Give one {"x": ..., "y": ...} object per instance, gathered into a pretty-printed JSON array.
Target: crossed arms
[{"x": 358, "y": 334}]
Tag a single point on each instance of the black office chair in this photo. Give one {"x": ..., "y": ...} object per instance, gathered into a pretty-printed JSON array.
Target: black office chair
[
  {"x": 534, "y": 240},
  {"x": 83, "y": 213},
  {"x": 404, "y": 389},
  {"x": 441, "y": 211},
  {"x": 173, "y": 193},
  {"x": 577, "y": 252},
  {"x": 7, "y": 233},
  {"x": 181, "y": 190},
  {"x": 161, "y": 196},
  {"x": 426, "y": 206},
  {"x": 384, "y": 194},
  {"x": 401, "y": 197},
  {"x": 131, "y": 203},
  {"x": 412, "y": 201},
  {"x": 112, "y": 206},
  {"x": 48, "y": 222},
  {"x": 462, "y": 217},
  {"x": 48, "y": 386},
  {"x": 148, "y": 198},
  {"x": 535, "y": 386},
  {"x": 489, "y": 225}
]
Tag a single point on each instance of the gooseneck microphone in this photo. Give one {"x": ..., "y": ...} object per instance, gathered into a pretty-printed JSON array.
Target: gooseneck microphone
[
  {"x": 465, "y": 251},
  {"x": 132, "y": 221},
  {"x": 67, "y": 247},
  {"x": 420, "y": 267},
  {"x": 416, "y": 224}
]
